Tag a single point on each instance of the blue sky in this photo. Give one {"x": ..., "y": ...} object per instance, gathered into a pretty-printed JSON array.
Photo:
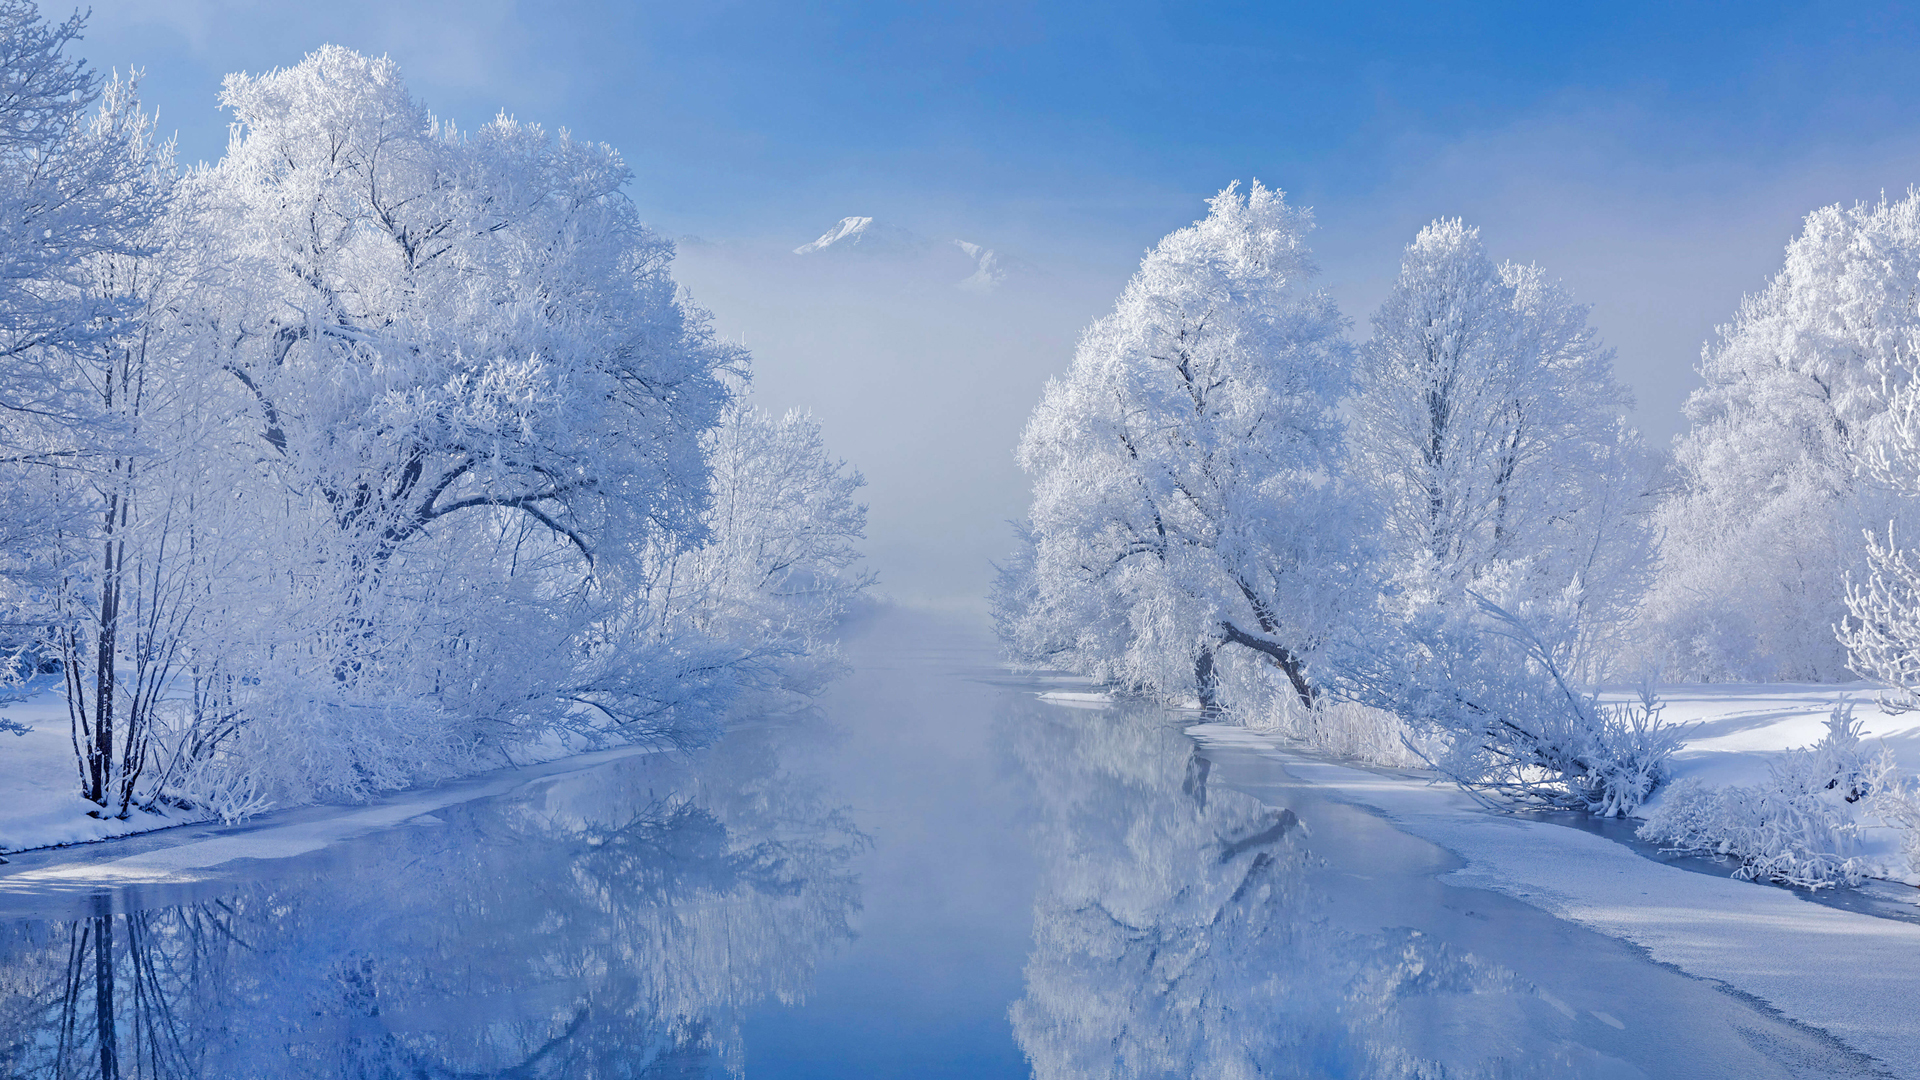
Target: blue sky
[
  {"x": 744, "y": 115},
  {"x": 1655, "y": 157}
]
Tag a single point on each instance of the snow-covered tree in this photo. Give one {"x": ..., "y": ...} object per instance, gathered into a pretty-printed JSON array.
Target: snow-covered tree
[
  {"x": 77, "y": 190},
  {"x": 776, "y": 571},
  {"x": 434, "y": 323},
  {"x": 1182, "y": 467},
  {"x": 127, "y": 479},
  {"x": 1764, "y": 529},
  {"x": 476, "y": 400},
  {"x": 1881, "y": 632},
  {"x": 68, "y": 193},
  {"x": 1487, "y": 427},
  {"x": 378, "y": 448}
]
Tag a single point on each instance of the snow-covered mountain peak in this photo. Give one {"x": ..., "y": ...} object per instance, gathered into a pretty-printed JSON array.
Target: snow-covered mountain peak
[
  {"x": 866, "y": 235},
  {"x": 990, "y": 267},
  {"x": 962, "y": 263}
]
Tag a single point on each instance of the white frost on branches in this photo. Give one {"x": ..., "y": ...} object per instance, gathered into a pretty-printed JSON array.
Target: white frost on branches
[
  {"x": 378, "y": 449},
  {"x": 1764, "y": 530},
  {"x": 1183, "y": 495},
  {"x": 1487, "y": 431}
]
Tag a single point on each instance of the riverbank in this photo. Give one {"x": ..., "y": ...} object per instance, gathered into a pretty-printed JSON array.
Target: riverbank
[
  {"x": 1849, "y": 974},
  {"x": 41, "y": 806},
  {"x": 1731, "y": 734}
]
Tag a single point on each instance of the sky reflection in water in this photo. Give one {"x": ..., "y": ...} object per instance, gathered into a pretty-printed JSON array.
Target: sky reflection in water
[{"x": 1123, "y": 899}]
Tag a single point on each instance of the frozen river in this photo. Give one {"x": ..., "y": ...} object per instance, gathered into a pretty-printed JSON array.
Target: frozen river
[{"x": 937, "y": 874}]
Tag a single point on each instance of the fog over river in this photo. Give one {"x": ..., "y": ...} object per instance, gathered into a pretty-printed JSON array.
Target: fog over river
[{"x": 934, "y": 874}]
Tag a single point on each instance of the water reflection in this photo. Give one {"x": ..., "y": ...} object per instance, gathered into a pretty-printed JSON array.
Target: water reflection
[
  {"x": 1184, "y": 930},
  {"x": 612, "y": 923}
]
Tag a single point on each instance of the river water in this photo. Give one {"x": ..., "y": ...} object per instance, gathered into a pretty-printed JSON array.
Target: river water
[{"x": 934, "y": 874}]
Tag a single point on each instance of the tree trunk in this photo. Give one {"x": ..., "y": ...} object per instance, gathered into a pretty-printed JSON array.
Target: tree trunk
[
  {"x": 1282, "y": 658},
  {"x": 1206, "y": 682},
  {"x": 100, "y": 753}
]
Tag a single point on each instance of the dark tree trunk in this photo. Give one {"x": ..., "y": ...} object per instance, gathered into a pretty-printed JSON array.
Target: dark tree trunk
[
  {"x": 100, "y": 753},
  {"x": 1282, "y": 658},
  {"x": 1206, "y": 682}
]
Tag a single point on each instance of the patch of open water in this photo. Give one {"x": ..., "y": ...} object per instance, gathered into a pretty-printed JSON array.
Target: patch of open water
[{"x": 935, "y": 875}]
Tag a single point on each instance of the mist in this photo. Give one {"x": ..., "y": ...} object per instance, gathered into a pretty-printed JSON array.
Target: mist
[{"x": 921, "y": 385}]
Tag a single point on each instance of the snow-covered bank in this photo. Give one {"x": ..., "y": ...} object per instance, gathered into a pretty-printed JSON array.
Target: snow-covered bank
[
  {"x": 277, "y": 835},
  {"x": 1851, "y": 975},
  {"x": 1735, "y": 726},
  {"x": 41, "y": 805}
]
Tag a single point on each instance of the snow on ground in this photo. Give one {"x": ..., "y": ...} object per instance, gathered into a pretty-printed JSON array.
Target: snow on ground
[
  {"x": 1849, "y": 974},
  {"x": 1077, "y": 700},
  {"x": 40, "y": 803},
  {"x": 1735, "y": 726},
  {"x": 288, "y": 833}
]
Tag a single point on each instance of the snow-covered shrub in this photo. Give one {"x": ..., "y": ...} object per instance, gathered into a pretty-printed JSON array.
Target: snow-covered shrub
[
  {"x": 1487, "y": 693},
  {"x": 1345, "y": 728},
  {"x": 215, "y": 783},
  {"x": 1897, "y": 803},
  {"x": 1801, "y": 827}
]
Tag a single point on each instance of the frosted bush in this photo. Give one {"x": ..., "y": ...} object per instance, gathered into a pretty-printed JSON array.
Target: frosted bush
[
  {"x": 1345, "y": 728},
  {"x": 1897, "y": 803},
  {"x": 1486, "y": 694},
  {"x": 217, "y": 785},
  {"x": 1801, "y": 827}
]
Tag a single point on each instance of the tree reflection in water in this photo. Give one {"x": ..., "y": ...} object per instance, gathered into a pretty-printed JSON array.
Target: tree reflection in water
[
  {"x": 1180, "y": 931},
  {"x": 613, "y": 923}
]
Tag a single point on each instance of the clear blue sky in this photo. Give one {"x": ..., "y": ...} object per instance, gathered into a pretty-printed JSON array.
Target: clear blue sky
[
  {"x": 747, "y": 115},
  {"x": 1654, "y": 156}
]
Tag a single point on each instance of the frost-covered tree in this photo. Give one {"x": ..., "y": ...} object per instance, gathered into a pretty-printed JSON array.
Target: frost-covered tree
[
  {"x": 776, "y": 571},
  {"x": 472, "y": 402},
  {"x": 434, "y": 323},
  {"x": 126, "y": 480},
  {"x": 77, "y": 191},
  {"x": 383, "y": 448},
  {"x": 1182, "y": 467},
  {"x": 82, "y": 186},
  {"x": 66, "y": 196},
  {"x": 1487, "y": 427},
  {"x": 1881, "y": 632},
  {"x": 1764, "y": 529}
]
